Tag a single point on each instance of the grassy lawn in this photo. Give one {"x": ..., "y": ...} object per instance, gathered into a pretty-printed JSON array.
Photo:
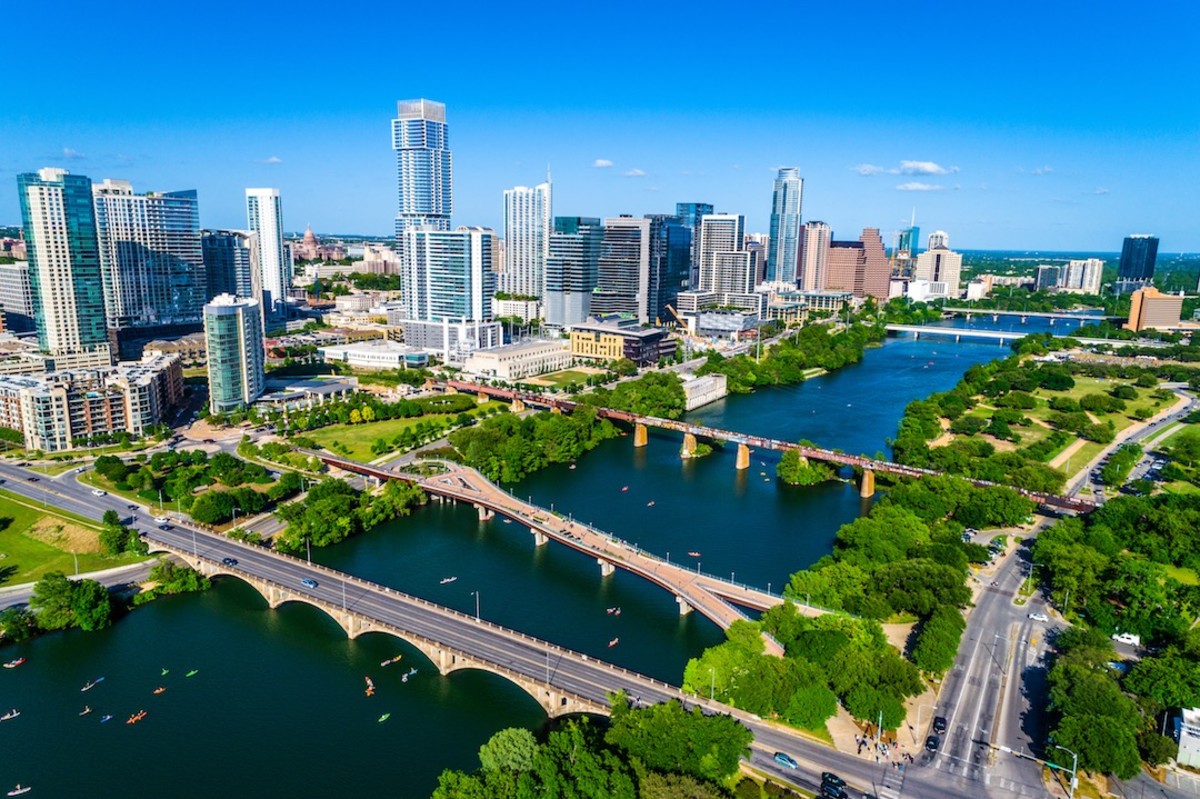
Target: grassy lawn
[
  {"x": 34, "y": 541},
  {"x": 358, "y": 438},
  {"x": 561, "y": 379},
  {"x": 1183, "y": 575},
  {"x": 91, "y": 478}
]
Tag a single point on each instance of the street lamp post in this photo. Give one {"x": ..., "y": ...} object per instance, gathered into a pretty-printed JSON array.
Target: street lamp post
[
  {"x": 712, "y": 683},
  {"x": 919, "y": 709},
  {"x": 476, "y": 593},
  {"x": 1074, "y": 769}
]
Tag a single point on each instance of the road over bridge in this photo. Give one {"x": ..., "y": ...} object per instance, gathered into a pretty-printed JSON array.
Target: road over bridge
[
  {"x": 868, "y": 466},
  {"x": 1002, "y": 336},
  {"x": 1051, "y": 315}
]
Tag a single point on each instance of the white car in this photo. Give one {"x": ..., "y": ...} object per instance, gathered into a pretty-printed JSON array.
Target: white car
[
  {"x": 161, "y": 520},
  {"x": 1039, "y": 617},
  {"x": 98, "y": 493}
]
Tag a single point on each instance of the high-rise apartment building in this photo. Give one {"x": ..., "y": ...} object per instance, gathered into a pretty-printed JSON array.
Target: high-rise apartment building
[
  {"x": 233, "y": 337},
  {"x": 64, "y": 267},
  {"x": 1083, "y": 276},
  {"x": 151, "y": 263},
  {"x": 720, "y": 233},
  {"x": 940, "y": 266},
  {"x": 1138, "y": 256},
  {"x": 814, "y": 256},
  {"x": 1047, "y": 278},
  {"x": 264, "y": 213},
  {"x": 910, "y": 241},
  {"x": 691, "y": 214},
  {"x": 670, "y": 264},
  {"x": 231, "y": 263},
  {"x": 424, "y": 167},
  {"x": 1150, "y": 308},
  {"x": 16, "y": 297},
  {"x": 623, "y": 269},
  {"x": 939, "y": 240},
  {"x": 859, "y": 266},
  {"x": 449, "y": 274},
  {"x": 528, "y": 222},
  {"x": 783, "y": 254},
  {"x": 572, "y": 269}
]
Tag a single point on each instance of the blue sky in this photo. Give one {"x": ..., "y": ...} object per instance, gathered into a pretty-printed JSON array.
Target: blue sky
[{"x": 1012, "y": 126}]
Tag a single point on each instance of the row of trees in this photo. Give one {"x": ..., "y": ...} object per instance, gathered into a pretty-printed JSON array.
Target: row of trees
[
  {"x": 364, "y": 408},
  {"x": 653, "y": 394},
  {"x": 333, "y": 511}
]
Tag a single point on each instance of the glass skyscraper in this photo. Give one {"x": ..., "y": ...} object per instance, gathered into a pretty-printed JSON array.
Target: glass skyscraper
[
  {"x": 423, "y": 167},
  {"x": 264, "y": 215},
  {"x": 571, "y": 269},
  {"x": 231, "y": 263},
  {"x": 64, "y": 267},
  {"x": 670, "y": 264},
  {"x": 691, "y": 214},
  {"x": 150, "y": 257},
  {"x": 527, "y": 224},
  {"x": 623, "y": 269},
  {"x": 1138, "y": 256},
  {"x": 783, "y": 248},
  {"x": 233, "y": 338},
  {"x": 449, "y": 275}
]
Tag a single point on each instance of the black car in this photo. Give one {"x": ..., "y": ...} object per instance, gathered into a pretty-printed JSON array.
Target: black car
[
  {"x": 939, "y": 724},
  {"x": 229, "y": 561},
  {"x": 833, "y": 792},
  {"x": 932, "y": 743},
  {"x": 829, "y": 778},
  {"x": 32, "y": 479}
]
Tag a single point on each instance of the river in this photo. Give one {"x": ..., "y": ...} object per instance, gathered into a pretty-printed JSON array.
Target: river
[{"x": 277, "y": 705}]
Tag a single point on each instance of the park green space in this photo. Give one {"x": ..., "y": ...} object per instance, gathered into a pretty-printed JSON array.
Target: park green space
[
  {"x": 36, "y": 540},
  {"x": 89, "y": 477},
  {"x": 358, "y": 438},
  {"x": 561, "y": 379}
]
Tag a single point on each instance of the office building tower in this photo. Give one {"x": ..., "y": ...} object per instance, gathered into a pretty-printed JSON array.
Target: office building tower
[
  {"x": 571, "y": 269},
  {"x": 16, "y": 298},
  {"x": 1138, "y": 256},
  {"x": 859, "y": 266},
  {"x": 623, "y": 269},
  {"x": 814, "y": 256},
  {"x": 233, "y": 338},
  {"x": 1083, "y": 276},
  {"x": 423, "y": 167},
  {"x": 941, "y": 267},
  {"x": 264, "y": 212},
  {"x": 449, "y": 274},
  {"x": 783, "y": 252},
  {"x": 1047, "y": 278},
  {"x": 670, "y": 264},
  {"x": 64, "y": 267},
  {"x": 150, "y": 258},
  {"x": 757, "y": 249},
  {"x": 719, "y": 233},
  {"x": 231, "y": 263},
  {"x": 1149, "y": 308},
  {"x": 909, "y": 241},
  {"x": 528, "y": 221},
  {"x": 939, "y": 240},
  {"x": 691, "y": 214}
]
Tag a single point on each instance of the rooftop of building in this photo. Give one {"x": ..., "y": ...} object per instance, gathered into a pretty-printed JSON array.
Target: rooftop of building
[
  {"x": 524, "y": 346},
  {"x": 372, "y": 345},
  {"x": 617, "y": 329}
]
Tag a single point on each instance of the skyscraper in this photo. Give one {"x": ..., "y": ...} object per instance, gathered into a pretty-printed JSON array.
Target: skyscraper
[
  {"x": 528, "y": 221},
  {"x": 16, "y": 297},
  {"x": 1138, "y": 256},
  {"x": 264, "y": 212},
  {"x": 623, "y": 269},
  {"x": 670, "y": 264},
  {"x": 783, "y": 253},
  {"x": 233, "y": 338},
  {"x": 64, "y": 267},
  {"x": 571, "y": 269},
  {"x": 231, "y": 263},
  {"x": 423, "y": 167},
  {"x": 719, "y": 233},
  {"x": 691, "y": 214},
  {"x": 150, "y": 257},
  {"x": 814, "y": 256},
  {"x": 449, "y": 275},
  {"x": 940, "y": 265},
  {"x": 859, "y": 266},
  {"x": 939, "y": 240}
]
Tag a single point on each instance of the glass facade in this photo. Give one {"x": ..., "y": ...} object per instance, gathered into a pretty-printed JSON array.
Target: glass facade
[
  {"x": 670, "y": 264},
  {"x": 231, "y": 263},
  {"x": 691, "y": 214},
  {"x": 571, "y": 269},
  {"x": 1138, "y": 256},
  {"x": 527, "y": 223},
  {"x": 448, "y": 275},
  {"x": 233, "y": 336},
  {"x": 424, "y": 167},
  {"x": 623, "y": 268},
  {"x": 264, "y": 214},
  {"x": 783, "y": 247}
]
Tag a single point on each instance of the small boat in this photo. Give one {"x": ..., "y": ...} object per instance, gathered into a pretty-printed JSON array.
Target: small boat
[
  {"x": 610, "y": 611},
  {"x": 390, "y": 661},
  {"x": 18, "y": 791},
  {"x": 624, "y": 489},
  {"x": 384, "y": 717},
  {"x": 448, "y": 580},
  {"x": 370, "y": 686},
  {"x": 91, "y": 684},
  {"x": 165, "y": 672},
  {"x": 86, "y": 709},
  {"x": 613, "y": 642},
  {"x": 572, "y": 467},
  {"x": 159, "y": 690},
  {"x": 693, "y": 554},
  {"x": 105, "y": 717},
  {"x": 136, "y": 717},
  {"x": 408, "y": 674},
  {"x": 12, "y": 714},
  {"x": 12, "y": 664},
  {"x": 192, "y": 673},
  {"x": 650, "y": 504},
  {"x": 618, "y": 613},
  {"x": 508, "y": 521}
]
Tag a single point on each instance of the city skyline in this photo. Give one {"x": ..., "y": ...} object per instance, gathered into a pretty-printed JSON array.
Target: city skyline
[{"x": 1024, "y": 149}]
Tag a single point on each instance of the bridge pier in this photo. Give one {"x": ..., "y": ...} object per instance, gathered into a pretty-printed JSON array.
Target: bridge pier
[
  {"x": 957, "y": 339},
  {"x": 995, "y": 317},
  {"x": 540, "y": 538},
  {"x": 867, "y": 487},
  {"x": 555, "y": 409},
  {"x": 485, "y": 513},
  {"x": 743, "y": 457},
  {"x": 689, "y": 446},
  {"x": 684, "y": 607},
  {"x": 481, "y": 398},
  {"x": 640, "y": 436},
  {"x": 606, "y": 567},
  {"x": 517, "y": 406}
]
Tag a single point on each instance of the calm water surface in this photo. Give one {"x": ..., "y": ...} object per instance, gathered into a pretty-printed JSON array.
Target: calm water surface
[{"x": 277, "y": 706}]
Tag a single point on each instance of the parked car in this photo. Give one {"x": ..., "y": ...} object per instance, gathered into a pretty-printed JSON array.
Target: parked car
[
  {"x": 1039, "y": 617},
  {"x": 932, "y": 743},
  {"x": 939, "y": 724}
]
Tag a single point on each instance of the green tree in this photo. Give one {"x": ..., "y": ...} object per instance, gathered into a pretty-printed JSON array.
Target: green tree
[
  {"x": 668, "y": 738},
  {"x": 52, "y": 601},
  {"x": 91, "y": 605},
  {"x": 511, "y": 749},
  {"x": 17, "y": 624}
]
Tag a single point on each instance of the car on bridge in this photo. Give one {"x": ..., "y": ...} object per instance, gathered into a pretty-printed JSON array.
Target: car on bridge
[
  {"x": 785, "y": 759},
  {"x": 229, "y": 561},
  {"x": 308, "y": 582}
]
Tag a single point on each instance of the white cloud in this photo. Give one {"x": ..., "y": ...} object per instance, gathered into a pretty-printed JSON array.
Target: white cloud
[
  {"x": 1043, "y": 170},
  {"x": 274, "y": 159},
  {"x": 924, "y": 168},
  {"x": 635, "y": 173},
  {"x": 868, "y": 169},
  {"x": 916, "y": 186},
  {"x": 72, "y": 153},
  {"x": 602, "y": 163}
]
